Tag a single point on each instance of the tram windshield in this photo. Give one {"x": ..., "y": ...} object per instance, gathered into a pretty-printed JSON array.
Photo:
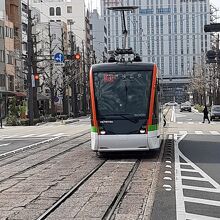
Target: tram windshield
[{"x": 122, "y": 95}]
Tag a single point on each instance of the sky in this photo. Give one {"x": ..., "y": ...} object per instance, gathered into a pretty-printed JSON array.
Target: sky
[{"x": 216, "y": 3}]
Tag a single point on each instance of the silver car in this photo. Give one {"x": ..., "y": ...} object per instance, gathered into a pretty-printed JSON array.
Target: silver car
[{"x": 215, "y": 112}]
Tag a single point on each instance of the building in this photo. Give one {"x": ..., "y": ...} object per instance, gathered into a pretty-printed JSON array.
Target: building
[
  {"x": 71, "y": 12},
  {"x": 167, "y": 32},
  {"x": 99, "y": 36},
  {"x": 13, "y": 14}
]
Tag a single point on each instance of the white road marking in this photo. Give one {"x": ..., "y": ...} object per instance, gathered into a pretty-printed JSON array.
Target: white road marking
[
  {"x": 167, "y": 172},
  {"x": 8, "y": 136},
  {"x": 168, "y": 166},
  {"x": 199, "y": 217},
  {"x": 42, "y": 135},
  {"x": 180, "y": 205},
  {"x": 2, "y": 145},
  {"x": 179, "y": 122},
  {"x": 198, "y": 132},
  {"x": 120, "y": 162},
  {"x": 214, "y": 132},
  {"x": 168, "y": 161},
  {"x": 182, "y": 132},
  {"x": 204, "y": 189},
  {"x": 189, "y": 170},
  {"x": 167, "y": 178},
  {"x": 29, "y": 135},
  {"x": 193, "y": 178},
  {"x": 202, "y": 201},
  {"x": 190, "y": 123},
  {"x": 59, "y": 134}
]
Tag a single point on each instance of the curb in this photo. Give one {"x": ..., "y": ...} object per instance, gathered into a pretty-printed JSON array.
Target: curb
[{"x": 69, "y": 121}]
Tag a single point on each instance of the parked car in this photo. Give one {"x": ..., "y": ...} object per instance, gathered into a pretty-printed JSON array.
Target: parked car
[
  {"x": 171, "y": 104},
  {"x": 215, "y": 112},
  {"x": 186, "y": 106}
]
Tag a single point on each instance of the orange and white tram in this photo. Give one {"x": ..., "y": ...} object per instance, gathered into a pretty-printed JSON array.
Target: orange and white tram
[{"x": 126, "y": 114}]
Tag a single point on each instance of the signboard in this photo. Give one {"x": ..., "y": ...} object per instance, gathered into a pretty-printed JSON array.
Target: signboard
[{"x": 59, "y": 58}]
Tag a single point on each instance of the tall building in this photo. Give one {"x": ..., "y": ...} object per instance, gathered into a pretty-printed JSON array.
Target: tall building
[
  {"x": 99, "y": 35},
  {"x": 167, "y": 32}
]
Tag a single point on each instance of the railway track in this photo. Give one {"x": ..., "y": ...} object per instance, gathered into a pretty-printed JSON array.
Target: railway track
[
  {"x": 117, "y": 197},
  {"x": 41, "y": 151}
]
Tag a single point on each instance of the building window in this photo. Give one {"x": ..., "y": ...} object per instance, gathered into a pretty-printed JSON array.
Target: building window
[
  {"x": 51, "y": 11},
  {"x": 69, "y": 9},
  {"x": 2, "y": 80},
  {"x": 58, "y": 11},
  {"x": 2, "y": 56},
  {"x": 9, "y": 59},
  {"x": 24, "y": 27},
  {"x": 1, "y": 32},
  {"x": 11, "y": 83}
]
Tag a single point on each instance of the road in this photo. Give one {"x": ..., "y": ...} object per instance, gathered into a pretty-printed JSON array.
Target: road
[
  {"x": 189, "y": 186},
  {"x": 18, "y": 137}
]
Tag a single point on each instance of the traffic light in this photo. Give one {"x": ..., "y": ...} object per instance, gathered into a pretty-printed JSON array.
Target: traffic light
[
  {"x": 77, "y": 56},
  {"x": 212, "y": 27},
  {"x": 211, "y": 55},
  {"x": 36, "y": 78}
]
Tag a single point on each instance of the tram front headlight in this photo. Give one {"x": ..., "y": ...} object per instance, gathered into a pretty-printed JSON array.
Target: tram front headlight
[
  {"x": 142, "y": 131},
  {"x": 102, "y": 132}
]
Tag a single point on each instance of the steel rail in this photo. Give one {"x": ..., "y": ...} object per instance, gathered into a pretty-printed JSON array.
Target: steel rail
[
  {"x": 25, "y": 149},
  {"x": 70, "y": 192},
  {"x": 109, "y": 214},
  {"x": 46, "y": 160}
]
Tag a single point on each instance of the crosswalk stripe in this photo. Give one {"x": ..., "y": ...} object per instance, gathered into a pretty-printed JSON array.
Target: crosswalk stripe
[
  {"x": 198, "y": 132},
  {"x": 214, "y": 132},
  {"x": 190, "y": 123},
  {"x": 8, "y": 136},
  {"x": 204, "y": 189},
  {"x": 194, "y": 178},
  {"x": 199, "y": 217},
  {"x": 179, "y": 122},
  {"x": 202, "y": 201}
]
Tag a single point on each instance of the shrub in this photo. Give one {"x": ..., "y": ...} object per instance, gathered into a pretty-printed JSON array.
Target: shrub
[{"x": 199, "y": 107}]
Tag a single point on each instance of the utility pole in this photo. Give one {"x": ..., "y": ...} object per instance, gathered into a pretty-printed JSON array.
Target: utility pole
[
  {"x": 51, "y": 86},
  {"x": 29, "y": 63},
  {"x": 73, "y": 82},
  {"x": 84, "y": 102}
]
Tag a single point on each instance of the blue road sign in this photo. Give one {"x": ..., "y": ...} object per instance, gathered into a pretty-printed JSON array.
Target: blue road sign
[{"x": 58, "y": 57}]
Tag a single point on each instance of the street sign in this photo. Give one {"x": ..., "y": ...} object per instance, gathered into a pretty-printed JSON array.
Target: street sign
[
  {"x": 56, "y": 99},
  {"x": 59, "y": 58}
]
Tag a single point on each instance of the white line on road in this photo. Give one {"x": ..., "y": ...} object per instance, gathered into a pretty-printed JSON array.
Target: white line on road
[
  {"x": 189, "y": 170},
  {"x": 2, "y": 145},
  {"x": 202, "y": 201},
  {"x": 194, "y": 178},
  {"x": 29, "y": 135},
  {"x": 59, "y": 134},
  {"x": 27, "y": 147},
  {"x": 215, "y": 132},
  {"x": 179, "y": 122},
  {"x": 190, "y": 123},
  {"x": 198, "y": 132},
  {"x": 42, "y": 135},
  {"x": 199, "y": 217},
  {"x": 204, "y": 189}
]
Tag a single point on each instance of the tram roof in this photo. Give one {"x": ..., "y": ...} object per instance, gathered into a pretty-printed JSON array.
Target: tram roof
[{"x": 122, "y": 67}]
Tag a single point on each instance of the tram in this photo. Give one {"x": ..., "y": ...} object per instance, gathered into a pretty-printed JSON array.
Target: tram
[{"x": 126, "y": 114}]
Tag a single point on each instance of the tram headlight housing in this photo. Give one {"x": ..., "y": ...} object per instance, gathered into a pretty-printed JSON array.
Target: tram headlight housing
[{"x": 142, "y": 131}]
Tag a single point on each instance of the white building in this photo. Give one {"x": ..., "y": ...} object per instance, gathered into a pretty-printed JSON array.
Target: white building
[
  {"x": 99, "y": 35},
  {"x": 71, "y": 12},
  {"x": 167, "y": 32}
]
